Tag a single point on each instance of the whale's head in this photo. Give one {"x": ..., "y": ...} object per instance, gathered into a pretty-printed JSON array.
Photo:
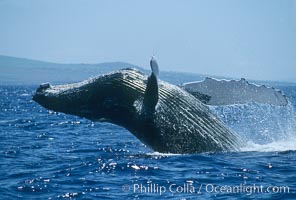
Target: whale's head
[{"x": 109, "y": 97}]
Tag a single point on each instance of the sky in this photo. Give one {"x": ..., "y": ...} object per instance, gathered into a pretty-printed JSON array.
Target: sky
[{"x": 255, "y": 39}]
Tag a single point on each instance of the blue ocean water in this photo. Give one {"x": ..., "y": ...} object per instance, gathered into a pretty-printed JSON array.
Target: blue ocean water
[{"x": 48, "y": 155}]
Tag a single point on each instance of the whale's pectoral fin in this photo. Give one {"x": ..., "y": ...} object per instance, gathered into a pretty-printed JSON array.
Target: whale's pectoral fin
[
  {"x": 151, "y": 93},
  {"x": 226, "y": 92}
]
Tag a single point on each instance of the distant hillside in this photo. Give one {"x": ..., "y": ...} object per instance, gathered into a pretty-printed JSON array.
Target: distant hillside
[
  {"x": 21, "y": 71},
  {"x": 18, "y": 71},
  {"x": 25, "y": 71}
]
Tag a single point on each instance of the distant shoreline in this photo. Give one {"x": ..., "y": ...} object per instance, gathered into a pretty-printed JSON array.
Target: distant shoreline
[{"x": 23, "y": 71}]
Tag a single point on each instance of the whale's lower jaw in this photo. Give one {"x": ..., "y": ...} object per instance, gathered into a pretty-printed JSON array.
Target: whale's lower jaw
[{"x": 179, "y": 124}]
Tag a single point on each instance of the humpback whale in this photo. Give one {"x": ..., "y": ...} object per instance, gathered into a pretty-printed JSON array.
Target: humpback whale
[{"x": 163, "y": 116}]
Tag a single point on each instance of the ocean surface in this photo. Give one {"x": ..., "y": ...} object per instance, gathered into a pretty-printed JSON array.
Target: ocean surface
[{"x": 49, "y": 155}]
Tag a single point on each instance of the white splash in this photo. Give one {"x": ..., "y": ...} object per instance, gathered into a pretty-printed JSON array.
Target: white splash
[
  {"x": 283, "y": 145},
  {"x": 163, "y": 154}
]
